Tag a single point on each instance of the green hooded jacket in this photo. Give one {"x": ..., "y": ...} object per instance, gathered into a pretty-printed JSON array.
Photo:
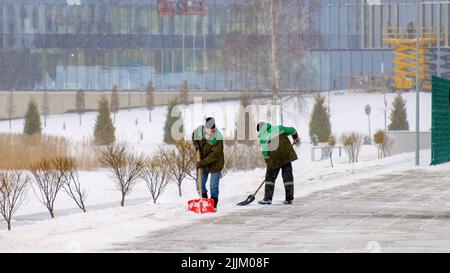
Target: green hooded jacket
[
  {"x": 211, "y": 151},
  {"x": 275, "y": 145}
]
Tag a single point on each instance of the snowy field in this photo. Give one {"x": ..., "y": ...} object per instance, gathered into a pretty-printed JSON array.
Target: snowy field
[{"x": 106, "y": 222}]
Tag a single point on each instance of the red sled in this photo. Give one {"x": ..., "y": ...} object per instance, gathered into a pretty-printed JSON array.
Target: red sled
[{"x": 204, "y": 205}]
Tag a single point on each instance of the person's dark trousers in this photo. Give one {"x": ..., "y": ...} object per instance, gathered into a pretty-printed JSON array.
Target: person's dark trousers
[{"x": 288, "y": 180}]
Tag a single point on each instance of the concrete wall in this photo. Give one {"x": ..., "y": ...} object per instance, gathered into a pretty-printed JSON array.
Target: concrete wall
[
  {"x": 405, "y": 142},
  {"x": 62, "y": 102}
]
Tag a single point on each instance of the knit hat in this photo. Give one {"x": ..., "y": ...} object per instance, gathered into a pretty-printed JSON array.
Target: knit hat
[
  {"x": 210, "y": 123},
  {"x": 259, "y": 126}
]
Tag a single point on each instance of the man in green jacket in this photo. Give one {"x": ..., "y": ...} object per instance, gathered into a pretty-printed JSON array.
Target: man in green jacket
[
  {"x": 278, "y": 153},
  {"x": 209, "y": 141}
]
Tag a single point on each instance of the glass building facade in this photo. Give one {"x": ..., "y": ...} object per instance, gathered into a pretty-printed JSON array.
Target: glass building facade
[{"x": 52, "y": 45}]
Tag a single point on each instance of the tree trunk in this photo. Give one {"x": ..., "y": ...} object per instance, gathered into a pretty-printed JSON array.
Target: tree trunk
[
  {"x": 179, "y": 190},
  {"x": 122, "y": 203},
  {"x": 80, "y": 119},
  {"x": 274, "y": 69},
  {"x": 52, "y": 214},
  {"x": 149, "y": 115},
  {"x": 9, "y": 224}
]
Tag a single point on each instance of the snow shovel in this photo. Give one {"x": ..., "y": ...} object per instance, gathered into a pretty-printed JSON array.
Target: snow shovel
[
  {"x": 251, "y": 197},
  {"x": 202, "y": 205}
]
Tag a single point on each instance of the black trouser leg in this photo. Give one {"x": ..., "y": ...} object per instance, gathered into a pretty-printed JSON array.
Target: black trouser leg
[
  {"x": 271, "y": 176},
  {"x": 288, "y": 180}
]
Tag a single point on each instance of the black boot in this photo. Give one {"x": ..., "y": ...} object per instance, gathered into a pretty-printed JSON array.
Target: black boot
[
  {"x": 216, "y": 201},
  {"x": 265, "y": 202},
  {"x": 205, "y": 195}
]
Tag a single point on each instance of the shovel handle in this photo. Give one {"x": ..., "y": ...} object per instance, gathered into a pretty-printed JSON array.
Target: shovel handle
[
  {"x": 199, "y": 175},
  {"x": 260, "y": 186}
]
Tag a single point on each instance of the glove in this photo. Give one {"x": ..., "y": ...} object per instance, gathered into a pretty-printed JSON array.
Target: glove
[
  {"x": 197, "y": 145},
  {"x": 201, "y": 164},
  {"x": 296, "y": 139}
]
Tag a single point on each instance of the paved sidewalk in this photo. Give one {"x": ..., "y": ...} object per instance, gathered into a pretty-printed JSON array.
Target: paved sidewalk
[{"x": 397, "y": 212}]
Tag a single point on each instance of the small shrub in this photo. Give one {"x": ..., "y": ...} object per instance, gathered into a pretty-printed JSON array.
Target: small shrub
[
  {"x": 352, "y": 143},
  {"x": 319, "y": 124},
  {"x": 125, "y": 166},
  {"x": 32, "y": 120},
  {"x": 383, "y": 142},
  {"x": 104, "y": 132},
  {"x": 157, "y": 174},
  {"x": 13, "y": 192},
  {"x": 180, "y": 161},
  {"x": 48, "y": 181},
  {"x": 399, "y": 119},
  {"x": 67, "y": 168}
]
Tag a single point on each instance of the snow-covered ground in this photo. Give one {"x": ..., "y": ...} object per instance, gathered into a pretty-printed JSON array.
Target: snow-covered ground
[{"x": 106, "y": 222}]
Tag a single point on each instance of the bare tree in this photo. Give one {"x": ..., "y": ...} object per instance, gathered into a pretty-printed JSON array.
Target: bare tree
[
  {"x": 184, "y": 93},
  {"x": 10, "y": 107},
  {"x": 125, "y": 166},
  {"x": 280, "y": 37},
  {"x": 157, "y": 174},
  {"x": 228, "y": 160},
  {"x": 80, "y": 103},
  {"x": 149, "y": 100},
  {"x": 13, "y": 186},
  {"x": 115, "y": 104},
  {"x": 246, "y": 120},
  {"x": 179, "y": 161},
  {"x": 45, "y": 107},
  {"x": 71, "y": 183},
  {"x": 330, "y": 148},
  {"x": 48, "y": 181}
]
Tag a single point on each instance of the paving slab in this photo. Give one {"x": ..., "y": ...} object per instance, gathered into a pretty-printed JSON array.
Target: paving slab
[{"x": 398, "y": 212}]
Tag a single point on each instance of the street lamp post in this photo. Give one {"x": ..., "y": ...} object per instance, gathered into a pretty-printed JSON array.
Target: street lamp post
[{"x": 417, "y": 84}]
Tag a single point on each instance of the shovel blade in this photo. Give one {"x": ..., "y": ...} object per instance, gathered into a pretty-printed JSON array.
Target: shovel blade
[
  {"x": 249, "y": 200},
  {"x": 204, "y": 205}
]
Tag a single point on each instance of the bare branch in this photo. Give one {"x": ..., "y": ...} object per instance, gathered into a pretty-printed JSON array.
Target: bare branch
[
  {"x": 48, "y": 181},
  {"x": 126, "y": 167},
  {"x": 13, "y": 186},
  {"x": 157, "y": 174}
]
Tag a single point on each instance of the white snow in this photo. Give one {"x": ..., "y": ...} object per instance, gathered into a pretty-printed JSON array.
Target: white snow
[{"x": 106, "y": 223}]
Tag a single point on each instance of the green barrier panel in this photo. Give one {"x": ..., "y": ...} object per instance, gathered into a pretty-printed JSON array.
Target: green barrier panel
[{"x": 440, "y": 147}]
